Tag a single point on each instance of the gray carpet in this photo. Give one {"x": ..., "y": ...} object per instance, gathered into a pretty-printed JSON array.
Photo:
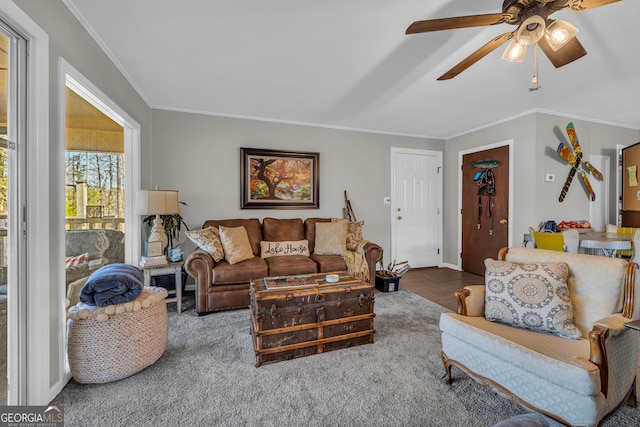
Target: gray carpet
[{"x": 207, "y": 377}]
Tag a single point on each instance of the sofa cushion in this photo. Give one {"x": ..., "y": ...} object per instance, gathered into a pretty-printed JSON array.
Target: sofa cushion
[
  {"x": 278, "y": 230},
  {"x": 252, "y": 225},
  {"x": 531, "y": 296},
  {"x": 236, "y": 244},
  {"x": 288, "y": 265},
  {"x": 329, "y": 263},
  {"x": 331, "y": 238},
  {"x": 242, "y": 272},
  {"x": 591, "y": 301},
  {"x": 558, "y": 360},
  {"x": 284, "y": 248},
  {"x": 208, "y": 239}
]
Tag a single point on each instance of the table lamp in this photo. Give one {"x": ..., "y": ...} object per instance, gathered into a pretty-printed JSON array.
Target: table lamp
[{"x": 157, "y": 202}]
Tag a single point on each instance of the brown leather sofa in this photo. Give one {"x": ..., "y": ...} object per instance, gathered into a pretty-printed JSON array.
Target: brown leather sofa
[{"x": 221, "y": 286}]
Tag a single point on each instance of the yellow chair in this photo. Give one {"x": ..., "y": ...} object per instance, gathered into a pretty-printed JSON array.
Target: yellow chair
[
  {"x": 551, "y": 241},
  {"x": 623, "y": 253}
]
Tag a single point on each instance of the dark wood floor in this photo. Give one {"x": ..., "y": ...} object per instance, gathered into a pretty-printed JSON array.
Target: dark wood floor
[{"x": 438, "y": 284}]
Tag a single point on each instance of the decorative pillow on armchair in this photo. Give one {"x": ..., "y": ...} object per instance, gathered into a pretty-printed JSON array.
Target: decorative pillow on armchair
[
  {"x": 530, "y": 296},
  {"x": 75, "y": 261},
  {"x": 208, "y": 239}
]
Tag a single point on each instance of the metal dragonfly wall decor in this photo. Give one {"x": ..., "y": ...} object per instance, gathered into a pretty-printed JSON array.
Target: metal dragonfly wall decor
[{"x": 573, "y": 155}]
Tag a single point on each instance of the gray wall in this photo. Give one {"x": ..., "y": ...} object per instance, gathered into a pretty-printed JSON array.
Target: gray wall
[
  {"x": 535, "y": 138},
  {"x": 199, "y": 155},
  {"x": 69, "y": 40}
]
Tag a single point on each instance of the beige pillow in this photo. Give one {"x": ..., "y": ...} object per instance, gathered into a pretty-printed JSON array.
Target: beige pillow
[
  {"x": 284, "y": 248},
  {"x": 331, "y": 238},
  {"x": 208, "y": 239},
  {"x": 235, "y": 242},
  {"x": 354, "y": 233},
  {"x": 530, "y": 296}
]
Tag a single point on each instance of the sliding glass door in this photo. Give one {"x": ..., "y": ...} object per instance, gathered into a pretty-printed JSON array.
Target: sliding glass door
[{"x": 12, "y": 95}]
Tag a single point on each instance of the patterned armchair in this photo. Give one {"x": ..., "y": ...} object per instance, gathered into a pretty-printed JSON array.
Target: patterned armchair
[{"x": 575, "y": 381}]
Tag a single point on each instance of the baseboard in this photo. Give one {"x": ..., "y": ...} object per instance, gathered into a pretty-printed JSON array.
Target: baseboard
[{"x": 451, "y": 266}]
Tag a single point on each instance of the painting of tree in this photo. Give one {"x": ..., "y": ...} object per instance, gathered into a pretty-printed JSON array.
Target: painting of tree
[{"x": 279, "y": 179}]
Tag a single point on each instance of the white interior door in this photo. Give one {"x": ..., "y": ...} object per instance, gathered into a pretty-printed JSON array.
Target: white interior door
[{"x": 416, "y": 205}]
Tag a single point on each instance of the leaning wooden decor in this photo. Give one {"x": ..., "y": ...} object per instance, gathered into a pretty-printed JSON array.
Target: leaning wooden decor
[{"x": 288, "y": 323}]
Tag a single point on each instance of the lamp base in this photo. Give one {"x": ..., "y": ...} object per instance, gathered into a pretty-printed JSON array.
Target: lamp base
[{"x": 158, "y": 234}]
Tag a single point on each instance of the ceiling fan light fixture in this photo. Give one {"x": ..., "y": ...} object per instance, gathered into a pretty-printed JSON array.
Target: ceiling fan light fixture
[
  {"x": 559, "y": 33},
  {"x": 531, "y": 30},
  {"x": 515, "y": 52}
]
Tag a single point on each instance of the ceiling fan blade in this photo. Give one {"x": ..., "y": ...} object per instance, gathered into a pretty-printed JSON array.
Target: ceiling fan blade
[
  {"x": 568, "y": 53},
  {"x": 457, "y": 22},
  {"x": 591, "y": 4},
  {"x": 476, "y": 56}
]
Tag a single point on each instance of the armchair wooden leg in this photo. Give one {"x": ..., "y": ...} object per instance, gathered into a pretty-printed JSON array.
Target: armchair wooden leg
[
  {"x": 446, "y": 378},
  {"x": 631, "y": 400}
]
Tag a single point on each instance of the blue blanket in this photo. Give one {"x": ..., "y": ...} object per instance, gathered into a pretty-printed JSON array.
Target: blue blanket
[{"x": 112, "y": 284}]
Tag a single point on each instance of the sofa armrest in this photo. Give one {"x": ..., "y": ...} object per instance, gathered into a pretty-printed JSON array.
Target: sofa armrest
[
  {"x": 199, "y": 265},
  {"x": 373, "y": 254},
  {"x": 607, "y": 337},
  {"x": 471, "y": 301}
]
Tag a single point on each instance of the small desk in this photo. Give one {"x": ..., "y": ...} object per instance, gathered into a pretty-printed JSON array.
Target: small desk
[
  {"x": 608, "y": 243},
  {"x": 161, "y": 270}
]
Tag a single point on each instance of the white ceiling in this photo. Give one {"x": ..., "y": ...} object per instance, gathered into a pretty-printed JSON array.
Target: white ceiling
[{"x": 349, "y": 64}]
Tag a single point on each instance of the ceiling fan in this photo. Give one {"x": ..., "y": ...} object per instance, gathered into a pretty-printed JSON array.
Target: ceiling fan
[{"x": 556, "y": 38}]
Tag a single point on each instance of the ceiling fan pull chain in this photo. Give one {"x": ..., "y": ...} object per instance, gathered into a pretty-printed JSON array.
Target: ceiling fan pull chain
[{"x": 534, "y": 80}]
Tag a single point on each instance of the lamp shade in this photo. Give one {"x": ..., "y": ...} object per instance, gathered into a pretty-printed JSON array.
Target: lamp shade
[
  {"x": 515, "y": 52},
  {"x": 559, "y": 33},
  {"x": 157, "y": 202}
]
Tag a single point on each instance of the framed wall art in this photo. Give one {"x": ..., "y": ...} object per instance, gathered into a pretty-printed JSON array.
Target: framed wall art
[{"x": 275, "y": 179}]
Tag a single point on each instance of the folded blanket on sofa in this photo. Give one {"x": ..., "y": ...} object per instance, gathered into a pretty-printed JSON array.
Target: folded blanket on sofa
[{"x": 112, "y": 284}]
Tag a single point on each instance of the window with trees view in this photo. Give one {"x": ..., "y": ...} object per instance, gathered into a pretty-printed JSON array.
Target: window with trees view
[
  {"x": 94, "y": 167},
  {"x": 98, "y": 178}
]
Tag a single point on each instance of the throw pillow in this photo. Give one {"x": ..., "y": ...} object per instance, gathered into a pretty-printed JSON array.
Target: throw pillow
[
  {"x": 235, "y": 242},
  {"x": 530, "y": 296},
  {"x": 354, "y": 232},
  {"x": 331, "y": 238},
  {"x": 208, "y": 239},
  {"x": 354, "y": 235},
  {"x": 285, "y": 248},
  {"x": 75, "y": 261}
]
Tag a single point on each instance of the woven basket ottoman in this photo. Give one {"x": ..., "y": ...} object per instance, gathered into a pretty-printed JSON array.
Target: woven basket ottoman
[{"x": 110, "y": 343}]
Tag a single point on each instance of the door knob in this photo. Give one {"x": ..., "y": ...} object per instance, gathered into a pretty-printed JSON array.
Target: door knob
[
  {"x": 399, "y": 217},
  {"x": 503, "y": 221}
]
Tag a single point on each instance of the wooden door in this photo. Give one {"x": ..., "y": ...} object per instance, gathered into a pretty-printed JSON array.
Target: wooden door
[{"x": 485, "y": 227}]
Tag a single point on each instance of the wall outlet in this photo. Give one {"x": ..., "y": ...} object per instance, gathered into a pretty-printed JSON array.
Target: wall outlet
[
  {"x": 386, "y": 200},
  {"x": 549, "y": 177}
]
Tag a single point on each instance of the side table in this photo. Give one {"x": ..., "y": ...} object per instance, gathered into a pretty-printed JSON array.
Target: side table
[
  {"x": 161, "y": 270},
  {"x": 634, "y": 324}
]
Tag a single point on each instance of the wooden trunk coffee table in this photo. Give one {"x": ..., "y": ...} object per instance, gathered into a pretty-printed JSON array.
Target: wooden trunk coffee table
[{"x": 287, "y": 323}]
